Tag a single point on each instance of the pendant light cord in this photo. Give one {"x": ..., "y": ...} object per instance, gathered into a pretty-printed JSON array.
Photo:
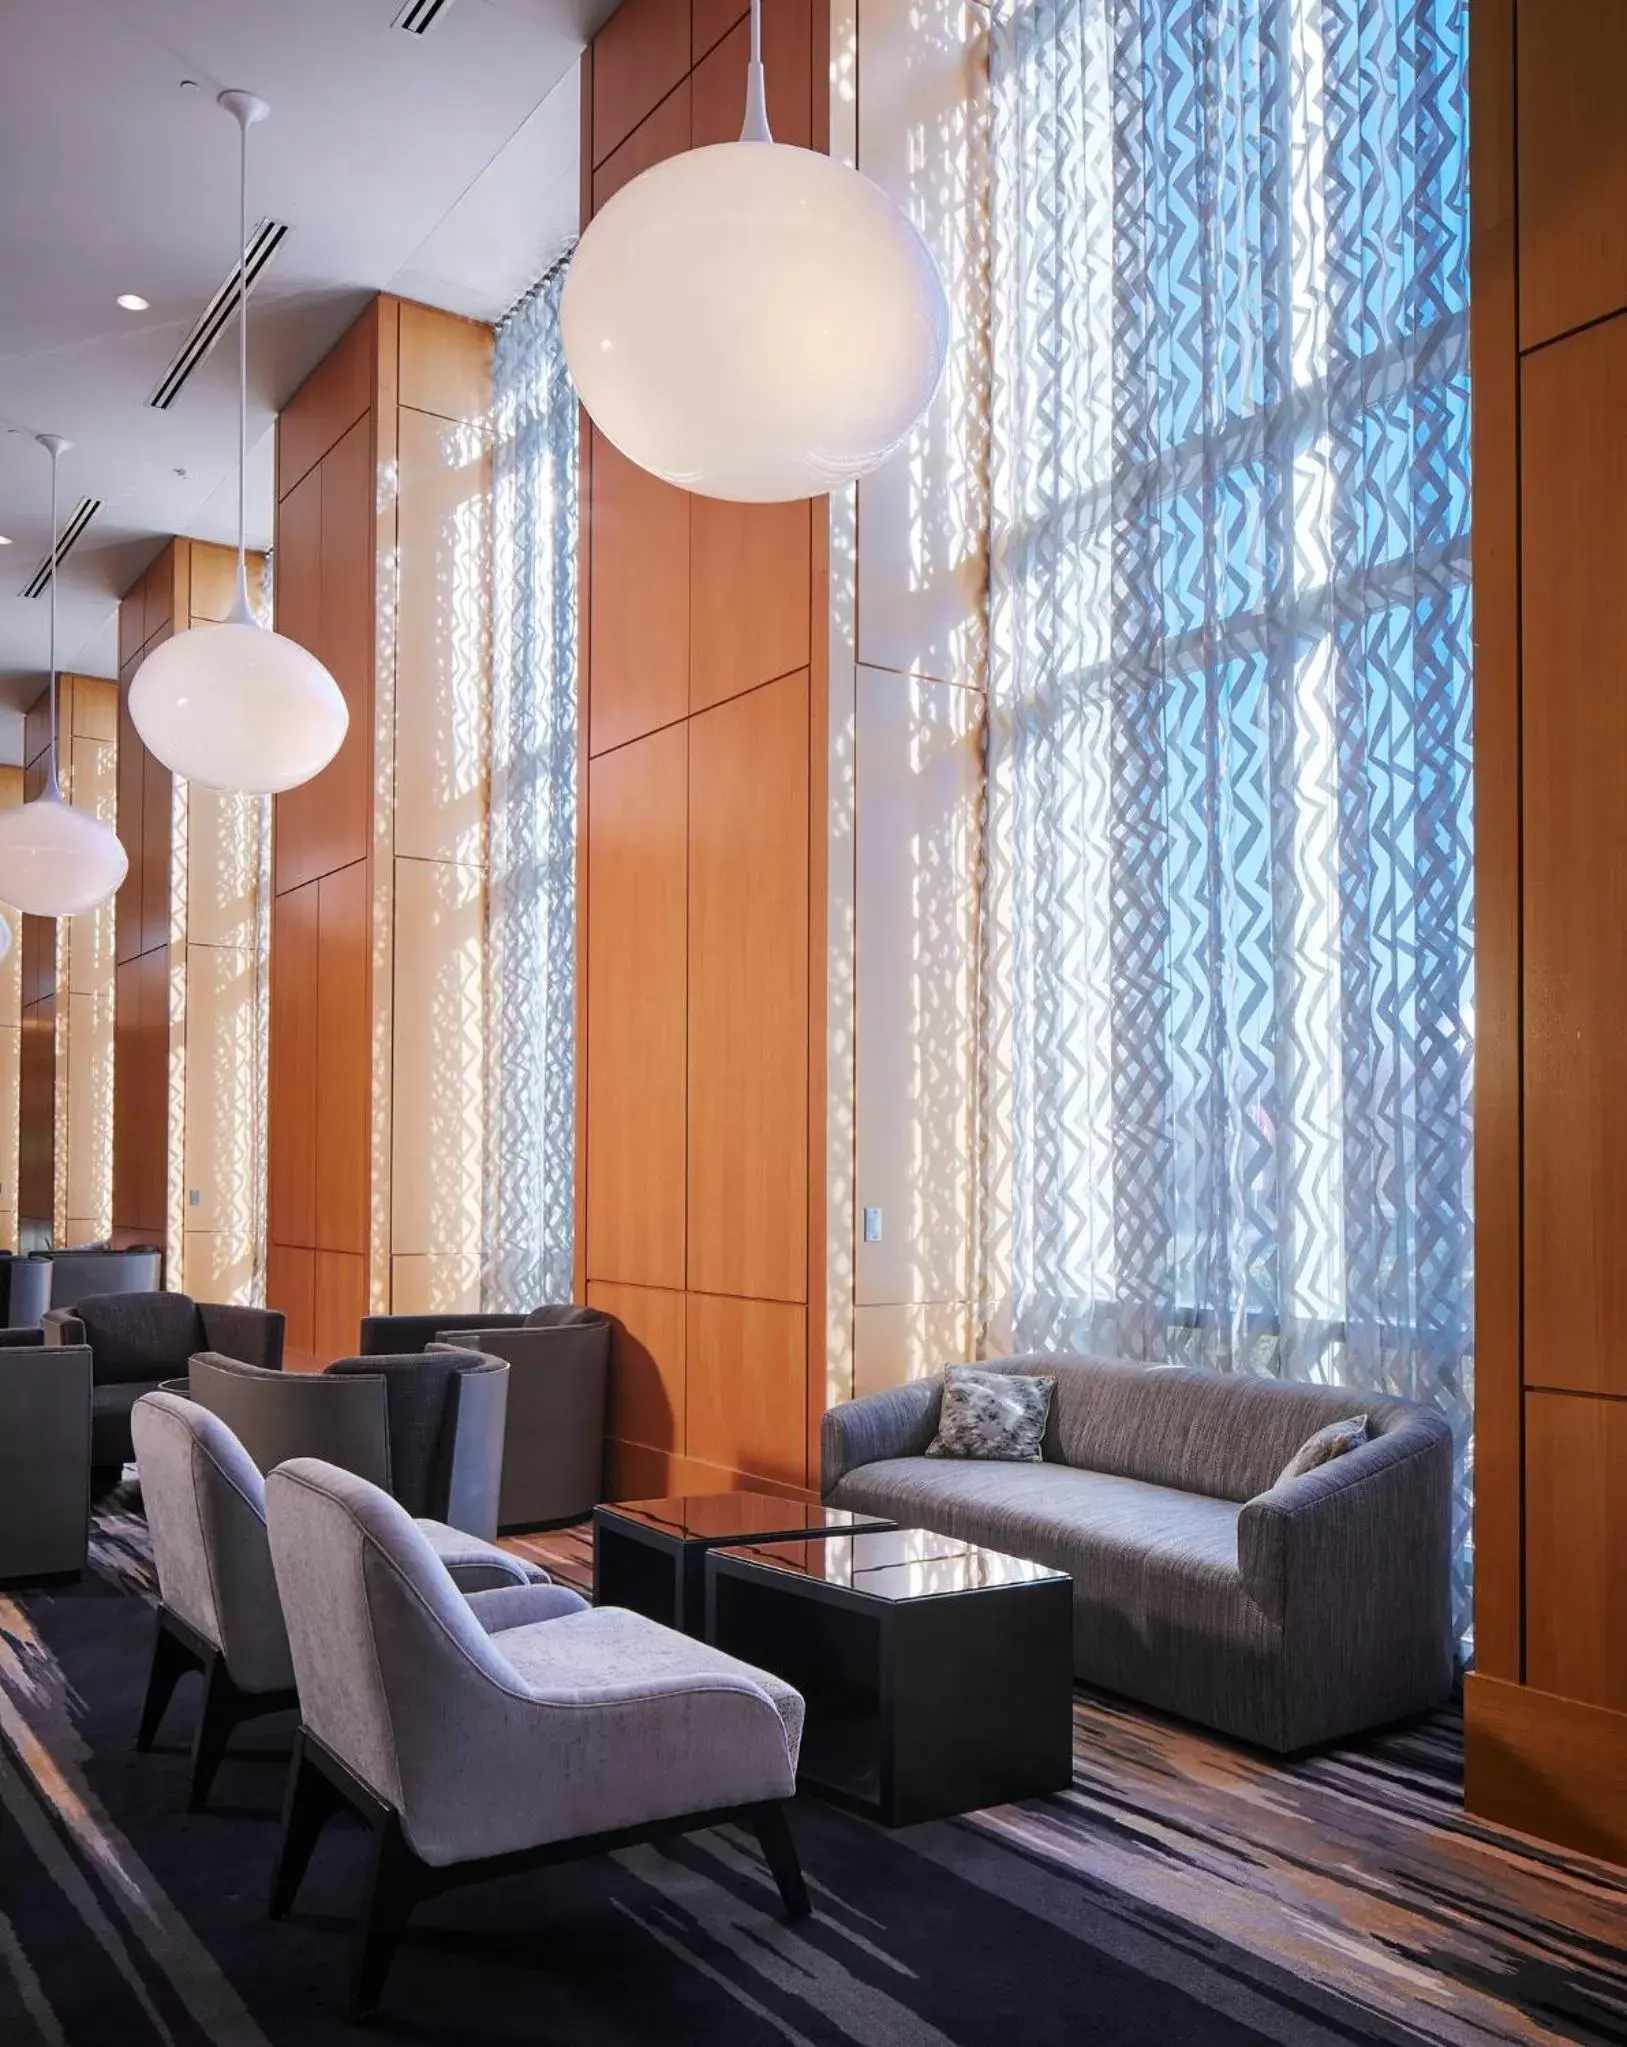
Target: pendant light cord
[
  {"x": 756, "y": 122},
  {"x": 245, "y": 109},
  {"x": 242, "y": 604},
  {"x": 53, "y": 788}
]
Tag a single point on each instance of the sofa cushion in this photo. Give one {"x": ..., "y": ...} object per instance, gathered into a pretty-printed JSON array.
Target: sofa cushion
[
  {"x": 997, "y": 1416},
  {"x": 1328, "y": 1442},
  {"x": 140, "y": 1338},
  {"x": 1222, "y": 1433},
  {"x": 1119, "y": 1538}
]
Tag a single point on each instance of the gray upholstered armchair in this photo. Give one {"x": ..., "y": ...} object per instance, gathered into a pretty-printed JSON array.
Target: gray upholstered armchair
[
  {"x": 559, "y": 1381},
  {"x": 476, "y": 1737},
  {"x": 137, "y": 1341},
  {"x": 218, "y": 1608},
  {"x": 25, "y": 1291},
  {"x": 44, "y": 1460},
  {"x": 80, "y": 1270},
  {"x": 427, "y": 1428}
]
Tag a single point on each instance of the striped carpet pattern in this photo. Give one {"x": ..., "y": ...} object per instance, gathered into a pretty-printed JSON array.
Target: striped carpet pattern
[{"x": 1185, "y": 1893}]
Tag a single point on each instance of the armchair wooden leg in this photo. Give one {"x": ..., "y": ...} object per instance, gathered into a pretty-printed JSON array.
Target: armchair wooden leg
[
  {"x": 309, "y": 1802},
  {"x": 392, "y": 1891},
  {"x": 773, "y": 1832},
  {"x": 172, "y": 1659},
  {"x": 216, "y": 1719}
]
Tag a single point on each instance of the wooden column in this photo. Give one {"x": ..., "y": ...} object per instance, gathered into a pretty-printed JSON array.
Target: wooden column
[
  {"x": 1547, "y": 1704},
  {"x": 700, "y": 1217},
  {"x": 383, "y": 488},
  {"x": 65, "y": 1109},
  {"x": 189, "y": 1073},
  {"x": 11, "y": 1042}
]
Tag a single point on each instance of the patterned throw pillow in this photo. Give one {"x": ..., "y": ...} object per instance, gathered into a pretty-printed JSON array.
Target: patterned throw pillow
[
  {"x": 1324, "y": 1446},
  {"x": 999, "y": 1416}
]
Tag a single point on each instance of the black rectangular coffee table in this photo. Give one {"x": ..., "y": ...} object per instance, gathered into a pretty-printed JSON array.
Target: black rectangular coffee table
[
  {"x": 650, "y": 1555},
  {"x": 938, "y": 1675}
]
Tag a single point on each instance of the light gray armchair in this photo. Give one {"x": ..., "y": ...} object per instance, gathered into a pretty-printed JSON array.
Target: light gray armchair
[
  {"x": 218, "y": 1608},
  {"x": 474, "y": 1738},
  {"x": 427, "y": 1428}
]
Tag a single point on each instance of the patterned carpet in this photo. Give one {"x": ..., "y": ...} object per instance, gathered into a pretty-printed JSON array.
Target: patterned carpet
[{"x": 1184, "y": 1894}]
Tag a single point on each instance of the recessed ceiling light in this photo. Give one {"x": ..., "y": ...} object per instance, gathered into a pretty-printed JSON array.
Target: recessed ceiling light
[
  {"x": 5, "y": 539},
  {"x": 132, "y": 302}
]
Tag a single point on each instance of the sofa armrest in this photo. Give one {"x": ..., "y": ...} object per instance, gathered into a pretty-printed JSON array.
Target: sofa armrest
[
  {"x": 520, "y": 1606},
  {"x": 898, "y": 1423},
  {"x": 61, "y": 1325},
  {"x": 253, "y": 1336},
  {"x": 1353, "y": 1562}
]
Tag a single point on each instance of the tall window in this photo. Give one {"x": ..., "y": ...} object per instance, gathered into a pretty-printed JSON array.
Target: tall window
[
  {"x": 1228, "y": 973},
  {"x": 531, "y": 957}
]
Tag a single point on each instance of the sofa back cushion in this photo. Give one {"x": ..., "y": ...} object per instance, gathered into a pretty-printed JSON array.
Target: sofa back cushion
[
  {"x": 1221, "y": 1433},
  {"x": 140, "y": 1338}
]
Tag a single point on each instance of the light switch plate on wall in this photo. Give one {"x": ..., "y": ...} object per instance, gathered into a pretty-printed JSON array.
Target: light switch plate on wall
[{"x": 872, "y": 1225}]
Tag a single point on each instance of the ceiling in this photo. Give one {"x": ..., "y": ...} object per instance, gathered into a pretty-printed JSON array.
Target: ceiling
[{"x": 443, "y": 167}]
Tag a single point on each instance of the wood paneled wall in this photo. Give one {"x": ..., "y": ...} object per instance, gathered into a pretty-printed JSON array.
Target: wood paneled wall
[
  {"x": 1547, "y": 1703},
  {"x": 701, "y": 1104},
  {"x": 11, "y": 1042},
  {"x": 188, "y": 1115},
  {"x": 375, "y": 1170},
  {"x": 65, "y": 1106}
]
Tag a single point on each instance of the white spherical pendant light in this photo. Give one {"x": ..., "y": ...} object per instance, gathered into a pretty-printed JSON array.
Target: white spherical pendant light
[
  {"x": 234, "y": 706},
  {"x": 55, "y": 861},
  {"x": 754, "y": 321}
]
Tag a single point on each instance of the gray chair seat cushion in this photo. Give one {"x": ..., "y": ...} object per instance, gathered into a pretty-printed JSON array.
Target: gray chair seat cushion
[
  {"x": 110, "y": 1420},
  {"x": 580, "y": 1657}
]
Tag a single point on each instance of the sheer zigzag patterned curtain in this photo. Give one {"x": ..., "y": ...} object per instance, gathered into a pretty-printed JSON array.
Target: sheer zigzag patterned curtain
[
  {"x": 531, "y": 895},
  {"x": 1228, "y": 975}
]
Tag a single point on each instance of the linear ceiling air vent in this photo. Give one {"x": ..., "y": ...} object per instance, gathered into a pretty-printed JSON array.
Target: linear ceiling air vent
[
  {"x": 264, "y": 243},
  {"x": 418, "y": 17},
  {"x": 84, "y": 512}
]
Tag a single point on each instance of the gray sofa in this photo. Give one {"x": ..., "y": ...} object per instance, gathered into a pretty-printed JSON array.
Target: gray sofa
[{"x": 1286, "y": 1615}]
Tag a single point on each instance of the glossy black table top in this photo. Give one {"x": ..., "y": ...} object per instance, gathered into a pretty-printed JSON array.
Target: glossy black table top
[
  {"x": 896, "y": 1565},
  {"x": 728, "y": 1518}
]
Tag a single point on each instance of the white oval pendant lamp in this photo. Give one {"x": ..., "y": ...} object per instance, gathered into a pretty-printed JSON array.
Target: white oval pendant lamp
[
  {"x": 55, "y": 861},
  {"x": 754, "y": 321},
  {"x": 234, "y": 706}
]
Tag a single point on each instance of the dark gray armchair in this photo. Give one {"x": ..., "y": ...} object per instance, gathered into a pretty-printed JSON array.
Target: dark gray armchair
[
  {"x": 137, "y": 1341},
  {"x": 427, "y": 1428},
  {"x": 86, "y": 1269},
  {"x": 25, "y": 1291},
  {"x": 44, "y": 1460},
  {"x": 559, "y": 1381}
]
